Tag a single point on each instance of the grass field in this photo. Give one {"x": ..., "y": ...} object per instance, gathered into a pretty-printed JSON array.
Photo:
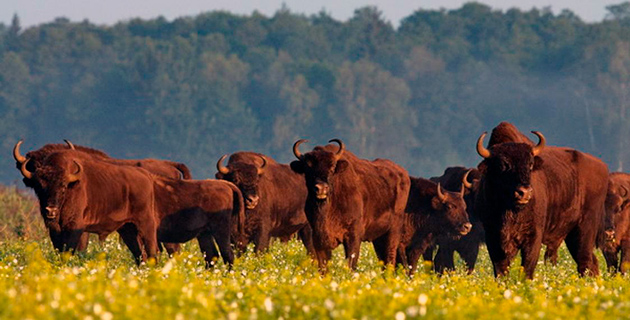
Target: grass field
[{"x": 103, "y": 283}]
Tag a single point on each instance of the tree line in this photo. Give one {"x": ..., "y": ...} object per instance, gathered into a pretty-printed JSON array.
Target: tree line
[{"x": 195, "y": 88}]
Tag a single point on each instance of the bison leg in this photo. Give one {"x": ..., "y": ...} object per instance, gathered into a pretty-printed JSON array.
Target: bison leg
[
  {"x": 262, "y": 239},
  {"x": 323, "y": 256},
  {"x": 83, "y": 241},
  {"x": 469, "y": 253},
  {"x": 624, "y": 266},
  {"x": 206, "y": 244},
  {"x": 444, "y": 259},
  {"x": 306, "y": 235},
  {"x": 129, "y": 235},
  {"x": 500, "y": 258},
  {"x": 529, "y": 255},
  {"x": 148, "y": 236},
  {"x": 428, "y": 254},
  {"x": 172, "y": 248},
  {"x": 352, "y": 248},
  {"x": 580, "y": 245},
  {"x": 612, "y": 260}
]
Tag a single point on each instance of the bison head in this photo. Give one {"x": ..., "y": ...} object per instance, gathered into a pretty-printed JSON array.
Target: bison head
[
  {"x": 318, "y": 166},
  {"x": 449, "y": 211},
  {"x": 245, "y": 176},
  {"x": 57, "y": 178},
  {"x": 617, "y": 201},
  {"x": 508, "y": 168}
]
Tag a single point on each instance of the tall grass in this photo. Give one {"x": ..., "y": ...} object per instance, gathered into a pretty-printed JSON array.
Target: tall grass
[{"x": 19, "y": 215}]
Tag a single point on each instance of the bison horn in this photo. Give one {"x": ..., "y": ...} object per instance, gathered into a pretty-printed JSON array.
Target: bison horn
[
  {"x": 465, "y": 183},
  {"x": 541, "y": 143},
  {"x": 75, "y": 176},
  {"x": 440, "y": 195},
  {"x": 16, "y": 152},
  {"x": 481, "y": 150},
  {"x": 27, "y": 174},
  {"x": 341, "y": 147},
  {"x": 296, "y": 148},
  {"x": 625, "y": 191},
  {"x": 261, "y": 169},
  {"x": 69, "y": 144},
  {"x": 222, "y": 169}
]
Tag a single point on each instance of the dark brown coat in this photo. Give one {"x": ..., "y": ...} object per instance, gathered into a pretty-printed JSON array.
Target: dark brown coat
[
  {"x": 165, "y": 168},
  {"x": 352, "y": 200},
  {"x": 82, "y": 194},
  {"x": 468, "y": 245},
  {"x": 274, "y": 198},
  {"x": 209, "y": 210},
  {"x": 431, "y": 213},
  {"x": 615, "y": 238},
  {"x": 533, "y": 195}
]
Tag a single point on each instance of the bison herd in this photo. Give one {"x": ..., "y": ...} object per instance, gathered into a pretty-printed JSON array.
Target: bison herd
[{"x": 521, "y": 195}]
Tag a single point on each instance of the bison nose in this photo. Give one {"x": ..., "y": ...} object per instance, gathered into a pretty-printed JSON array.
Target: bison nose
[
  {"x": 51, "y": 212},
  {"x": 610, "y": 235},
  {"x": 251, "y": 201},
  {"x": 321, "y": 190},
  {"x": 465, "y": 228},
  {"x": 522, "y": 195}
]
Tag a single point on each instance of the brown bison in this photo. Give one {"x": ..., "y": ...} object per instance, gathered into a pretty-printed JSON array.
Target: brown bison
[
  {"x": 431, "y": 213},
  {"x": 166, "y": 168},
  {"x": 468, "y": 245},
  {"x": 533, "y": 195},
  {"x": 274, "y": 198},
  {"x": 616, "y": 236},
  {"x": 78, "y": 193},
  {"x": 352, "y": 200},
  {"x": 209, "y": 210}
]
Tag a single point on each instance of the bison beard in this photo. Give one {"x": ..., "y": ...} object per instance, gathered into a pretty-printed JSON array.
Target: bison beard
[
  {"x": 276, "y": 197},
  {"x": 533, "y": 195},
  {"x": 352, "y": 200}
]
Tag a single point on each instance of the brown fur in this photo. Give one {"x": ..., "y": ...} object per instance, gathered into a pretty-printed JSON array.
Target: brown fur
[
  {"x": 279, "y": 212},
  {"x": 467, "y": 246},
  {"x": 569, "y": 190},
  {"x": 617, "y": 220},
  {"x": 209, "y": 210},
  {"x": 428, "y": 218},
  {"x": 365, "y": 202}
]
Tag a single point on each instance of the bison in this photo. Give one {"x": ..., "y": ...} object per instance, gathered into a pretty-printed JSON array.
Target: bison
[
  {"x": 431, "y": 213},
  {"x": 78, "y": 193},
  {"x": 351, "y": 200},
  {"x": 274, "y": 198},
  {"x": 533, "y": 195},
  {"x": 615, "y": 238},
  {"x": 165, "y": 168},
  {"x": 468, "y": 245}
]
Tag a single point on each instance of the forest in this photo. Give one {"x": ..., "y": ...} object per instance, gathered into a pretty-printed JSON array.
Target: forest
[{"x": 198, "y": 87}]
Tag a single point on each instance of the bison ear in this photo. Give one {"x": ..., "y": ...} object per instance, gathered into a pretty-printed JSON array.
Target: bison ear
[
  {"x": 538, "y": 162},
  {"x": 218, "y": 176},
  {"x": 341, "y": 166},
  {"x": 297, "y": 166}
]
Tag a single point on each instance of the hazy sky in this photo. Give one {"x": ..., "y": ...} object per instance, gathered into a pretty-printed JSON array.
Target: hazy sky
[{"x": 32, "y": 12}]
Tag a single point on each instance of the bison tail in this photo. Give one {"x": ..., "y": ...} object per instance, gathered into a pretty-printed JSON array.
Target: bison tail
[
  {"x": 239, "y": 209},
  {"x": 184, "y": 170}
]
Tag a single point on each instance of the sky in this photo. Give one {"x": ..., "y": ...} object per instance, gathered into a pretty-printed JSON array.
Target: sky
[{"x": 33, "y": 12}]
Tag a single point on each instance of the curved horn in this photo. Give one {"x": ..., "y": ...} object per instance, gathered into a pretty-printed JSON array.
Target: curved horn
[
  {"x": 341, "y": 147},
  {"x": 69, "y": 144},
  {"x": 27, "y": 174},
  {"x": 465, "y": 183},
  {"x": 625, "y": 191},
  {"x": 481, "y": 150},
  {"x": 72, "y": 177},
  {"x": 296, "y": 148},
  {"x": 261, "y": 169},
  {"x": 541, "y": 143},
  {"x": 16, "y": 152},
  {"x": 220, "y": 167},
  {"x": 440, "y": 195}
]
